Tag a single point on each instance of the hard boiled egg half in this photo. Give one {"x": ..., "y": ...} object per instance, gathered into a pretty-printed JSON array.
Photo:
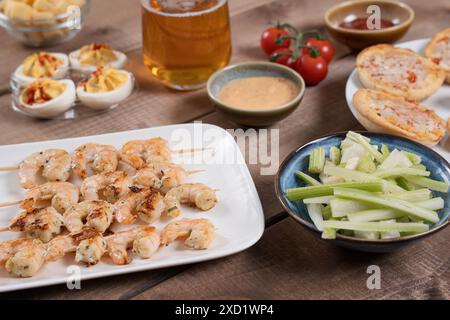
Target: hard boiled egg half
[
  {"x": 42, "y": 65},
  {"x": 94, "y": 55},
  {"x": 105, "y": 87},
  {"x": 45, "y": 98}
]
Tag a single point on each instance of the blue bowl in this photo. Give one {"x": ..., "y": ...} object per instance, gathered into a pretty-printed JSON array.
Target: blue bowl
[{"x": 299, "y": 158}]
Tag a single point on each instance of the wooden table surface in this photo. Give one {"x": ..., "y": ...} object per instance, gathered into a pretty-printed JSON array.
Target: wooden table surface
[{"x": 288, "y": 262}]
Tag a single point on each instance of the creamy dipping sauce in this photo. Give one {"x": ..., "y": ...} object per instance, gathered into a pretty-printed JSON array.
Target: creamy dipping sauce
[{"x": 258, "y": 93}]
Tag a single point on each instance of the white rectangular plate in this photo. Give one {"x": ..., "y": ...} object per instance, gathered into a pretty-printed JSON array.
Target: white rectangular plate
[
  {"x": 238, "y": 215},
  {"x": 439, "y": 101}
]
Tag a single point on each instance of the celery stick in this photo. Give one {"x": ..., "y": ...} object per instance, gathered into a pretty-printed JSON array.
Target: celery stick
[
  {"x": 318, "y": 200},
  {"x": 369, "y": 235},
  {"x": 385, "y": 173},
  {"x": 374, "y": 215},
  {"x": 315, "y": 213},
  {"x": 343, "y": 207},
  {"x": 329, "y": 233},
  {"x": 414, "y": 158},
  {"x": 403, "y": 183},
  {"x": 307, "y": 179},
  {"x": 431, "y": 204},
  {"x": 316, "y": 160},
  {"x": 390, "y": 235},
  {"x": 397, "y": 204},
  {"x": 327, "y": 190},
  {"x": 385, "y": 151},
  {"x": 366, "y": 164},
  {"x": 352, "y": 163},
  {"x": 335, "y": 155},
  {"x": 414, "y": 195},
  {"x": 326, "y": 212},
  {"x": 363, "y": 141},
  {"x": 419, "y": 166},
  {"x": 348, "y": 174},
  {"x": 330, "y": 179},
  {"x": 395, "y": 159},
  {"x": 428, "y": 183},
  {"x": 377, "y": 226}
]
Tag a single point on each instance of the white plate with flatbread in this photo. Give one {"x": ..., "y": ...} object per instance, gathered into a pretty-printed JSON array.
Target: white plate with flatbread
[
  {"x": 439, "y": 101},
  {"x": 238, "y": 216}
]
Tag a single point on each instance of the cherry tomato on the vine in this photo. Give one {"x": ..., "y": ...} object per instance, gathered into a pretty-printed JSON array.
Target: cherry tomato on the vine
[
  {"x": 312, "y": 68},
  {"x": 325, "y": 47},
  {"x": 269, "y": 38},
  {"x": 283, "y": 56}
]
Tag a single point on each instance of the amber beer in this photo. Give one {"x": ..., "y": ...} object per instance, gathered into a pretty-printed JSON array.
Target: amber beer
[{"x": 185, "y": 41}]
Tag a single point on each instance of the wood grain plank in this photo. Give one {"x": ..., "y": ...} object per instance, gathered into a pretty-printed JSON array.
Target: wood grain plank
[{"x": 292, "y": 263}]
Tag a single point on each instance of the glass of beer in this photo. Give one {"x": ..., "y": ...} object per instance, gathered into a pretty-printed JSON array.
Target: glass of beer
[{"x": 185, "y": 41}]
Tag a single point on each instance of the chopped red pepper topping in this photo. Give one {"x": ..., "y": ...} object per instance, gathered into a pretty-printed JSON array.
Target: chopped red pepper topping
[
  {"x": 437, "y": 60},
  {"x": 412, "y": 77}
]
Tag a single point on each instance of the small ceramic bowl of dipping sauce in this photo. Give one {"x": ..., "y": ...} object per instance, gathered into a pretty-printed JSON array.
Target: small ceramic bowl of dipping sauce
[
  {"x": 256, "y": 94},
  {"x": 350, "y": 23}
]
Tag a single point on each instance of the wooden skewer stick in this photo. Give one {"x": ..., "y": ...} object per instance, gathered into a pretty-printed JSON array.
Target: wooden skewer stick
[
  {"x": 4, "y": 229},
  {"x": 191, "y": 150},
  {"x": 9, "y": 203},
  {"x": 9, "y": 168},
  {"x": 189, "y": 172}
]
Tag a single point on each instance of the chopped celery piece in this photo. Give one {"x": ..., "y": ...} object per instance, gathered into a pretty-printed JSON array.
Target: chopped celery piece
[
  {"x": 352, "y": 150},
  {"x": 385, "y": 151},
  {"x": 377, "y": 226},
  {"x": 366, "y": 164},
  {"x": 414, "y": 195},
  {"x": 331, "y": 170},
  {"x": 392, "y": 234},
  {"x": 395, "y": 159},
  {"x": 342, "y": 207},
  {"x": 369, "y": 235},
  {"x": 374, "y": 215},
  {"x": 385, "y": 173},
  {"x": 307, "y": 179},
  {"x": 366, "y": 144},
  {"x": 397, "y": 204},
  {"x": 352, "y": 163},
  {"x": 428, "y": 183},
  {"x": 419, "y": 166},
  {"x": 315, "y": 213},
  {"x": 330, "y": 179},
  {"x": 319, "y": 200},
  {"x": 327, "y": 190},
  {"x": 403, "y": 183},
  {"x": 335, "y": 155},
  {"x": 326, "y": 212},
  {"x": 414, "y": 158},
  {"x": 317, "y": 160},
  {"x": 432, "y": 204},
  {"x": 329, "y": 233}
]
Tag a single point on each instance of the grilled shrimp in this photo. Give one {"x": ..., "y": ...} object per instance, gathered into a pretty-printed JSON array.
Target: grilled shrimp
[
  {"x": 199, "y": 233},
  {"x": 27, "y": 262},
  {"x": 145, "y": 203},
  {"x": 143, "y": 239},
  {"x": 147, "y": 177},
  {"x": 54, "y": 163},
  {"x": 195, "y": 194},
  {"x": 91, "y": 249},
  {"x": 100, "y": 158},
  {"x": 60, "y": 195},
  {"x": 109, "y": 186},
  {"x": 9, "y": 248},
  {"x": 96, "y": 214},
  {"x": 44, "y": 223},
  {"x": 171, "y": 175},
  {"x": 137, "y": 153}
]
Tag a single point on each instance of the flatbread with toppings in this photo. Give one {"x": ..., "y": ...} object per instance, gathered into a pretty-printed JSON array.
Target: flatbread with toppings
[
  {"x": 438, "y": 50},
  {"x": 398, "y": 71},
  {"x": 383, "y": 112}
]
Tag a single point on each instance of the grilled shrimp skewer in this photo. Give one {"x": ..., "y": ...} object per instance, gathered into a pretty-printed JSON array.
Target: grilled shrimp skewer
[
  {"x": 195, "y": 194},
  {"x": 95, "y": 214},
  {"x": 100, "y": 158},
  {"x": 59, "y": 195},
  {"x": 44, "y": 223},
  {"x": 199, "y": 233},
  {"x": 110, "y": 186}
]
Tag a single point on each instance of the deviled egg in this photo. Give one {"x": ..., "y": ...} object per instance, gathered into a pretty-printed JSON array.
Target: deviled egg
[
  {"x": 42, "y": 65},
  {"x": 48, "y": 98},
  {"x": 105, "y": 87},
  {"x": 94, "y": 55}
]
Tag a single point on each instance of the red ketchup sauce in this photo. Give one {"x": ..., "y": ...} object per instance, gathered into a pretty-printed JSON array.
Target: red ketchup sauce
[{"x": 361, "y": 24}]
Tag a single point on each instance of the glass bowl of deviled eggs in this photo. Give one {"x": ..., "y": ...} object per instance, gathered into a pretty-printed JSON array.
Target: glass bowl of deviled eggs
[{"x": 40, "y": 23}]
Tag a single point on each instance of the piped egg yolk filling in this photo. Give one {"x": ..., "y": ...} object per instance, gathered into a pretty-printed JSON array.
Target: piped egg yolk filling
[
  {"x": 42, "y": 91},
  {"x": 41, "y": 65},
  {"x": 105, "y": 80},
  {"x": 96, "y": 55}
]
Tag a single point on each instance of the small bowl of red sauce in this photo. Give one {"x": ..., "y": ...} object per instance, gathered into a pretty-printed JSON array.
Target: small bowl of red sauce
[{"x": 363, "y": 23}]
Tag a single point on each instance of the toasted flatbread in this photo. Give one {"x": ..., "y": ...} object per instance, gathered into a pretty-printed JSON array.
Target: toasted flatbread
[
  {"x": 398, "y": 71},
  {"x": 382, "y": 112},
  {"x": 438, "y": 50}
]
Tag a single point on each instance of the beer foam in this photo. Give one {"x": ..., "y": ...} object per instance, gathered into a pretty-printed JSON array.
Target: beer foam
[{"x": 146, "y": 4}]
